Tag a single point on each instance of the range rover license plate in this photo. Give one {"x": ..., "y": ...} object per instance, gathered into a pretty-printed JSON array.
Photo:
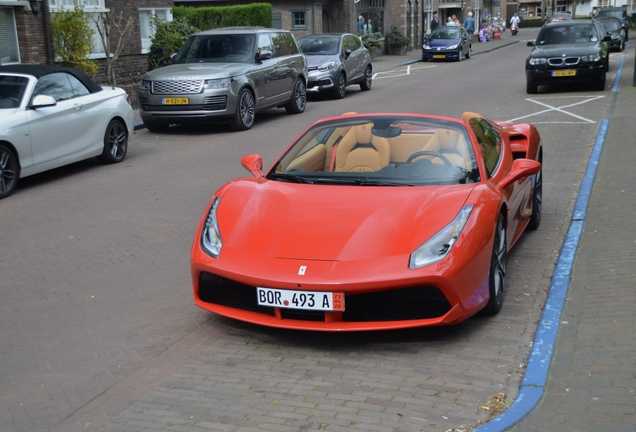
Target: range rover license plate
[
  {"x": 561, "y": 73},
  {"x": 175, "y": 101},
  {"x": 307, "y": 300}
]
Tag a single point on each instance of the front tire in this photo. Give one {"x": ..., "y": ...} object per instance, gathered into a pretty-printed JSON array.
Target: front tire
[
  {"x": 531, "y": 88},
  {"x": 299, "y": 98},
  {"x": 600, "y": 86},
  {"x": 115, "y": 142},
  {"x": 245, "y": 111},
  {"x": 368, "y": 79},
  {"x": 8, "y": 172},
  {"x": 537, "y": 199},
  {"x": 341, "y": 86},
  {"x": 460, "y": 54},
  {"x": 497, "y": 276},
  {"x": 469, "y": 52}
]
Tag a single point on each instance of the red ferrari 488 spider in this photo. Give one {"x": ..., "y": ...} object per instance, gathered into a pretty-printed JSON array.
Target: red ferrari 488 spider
[{"x": 372, "y": 221}]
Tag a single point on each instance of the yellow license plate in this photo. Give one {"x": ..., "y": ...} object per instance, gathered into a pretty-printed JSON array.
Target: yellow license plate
[
  {"x": 175, "y": 101},
  {"x": 439, "y": 56},
  {"x": 564, "y": 73}
]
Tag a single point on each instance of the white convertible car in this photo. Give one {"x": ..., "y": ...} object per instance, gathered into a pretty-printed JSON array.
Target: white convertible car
[{"x": 52, "y": 116}]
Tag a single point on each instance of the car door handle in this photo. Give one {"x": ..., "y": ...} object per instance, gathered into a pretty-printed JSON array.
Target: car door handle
[{"x": 77, "y": 106}]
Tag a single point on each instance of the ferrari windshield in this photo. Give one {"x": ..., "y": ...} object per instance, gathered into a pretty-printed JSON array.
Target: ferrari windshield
[{"x": 380, "y": 151}]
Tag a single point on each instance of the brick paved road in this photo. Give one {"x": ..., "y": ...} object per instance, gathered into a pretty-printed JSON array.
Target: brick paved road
[{"x": 99, "y": 331}]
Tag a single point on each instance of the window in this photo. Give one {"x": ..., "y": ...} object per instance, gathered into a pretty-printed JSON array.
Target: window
[
  {"x": 277, "y": 20},
  {"x": 489, "y": 143},
  {"x": 265, "y": 45},
  {"x": 284, "y": 44},
  {"x": 9, "y": 49},
  {"x": 146, "y": 24},
  {"x": 92, "y": 9},
  {"x": 61, "y": 86},
  {"x": 11, "y": 91},
  {"x": 298, "y": 19}
]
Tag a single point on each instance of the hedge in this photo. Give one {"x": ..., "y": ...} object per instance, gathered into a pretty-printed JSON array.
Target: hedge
[
  {"x": 527, "y": 23},
  {"x": 211, "y": 17}
]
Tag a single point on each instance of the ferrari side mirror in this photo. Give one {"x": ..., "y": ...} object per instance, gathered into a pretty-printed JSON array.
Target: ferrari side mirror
[
  {"x": 520, "y": 168},
  {"x": 254, "y": 164}
]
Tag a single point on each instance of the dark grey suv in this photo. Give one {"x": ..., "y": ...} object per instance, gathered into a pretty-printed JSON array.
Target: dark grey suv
[{"x": 226, "y": 76}]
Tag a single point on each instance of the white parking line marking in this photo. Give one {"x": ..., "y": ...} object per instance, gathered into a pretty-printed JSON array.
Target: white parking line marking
[
  {"x": 560, "y": 109},
  {"x": 396, "y": 73}
]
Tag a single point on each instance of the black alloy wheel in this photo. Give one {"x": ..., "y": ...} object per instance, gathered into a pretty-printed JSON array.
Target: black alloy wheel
[
  {"x": 497, "y": 276},
  {"x": 339, "y": 90},
  {"x": 8, "y": 172},
  {"x": 115, "y": 142},
  {"x": 245, "y": 111},
  {"x": 298, "y": 101},
  {"x": 368, "y": 79}
]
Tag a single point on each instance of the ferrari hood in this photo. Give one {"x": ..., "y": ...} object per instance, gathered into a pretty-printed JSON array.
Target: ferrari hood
[{"x": 333, "y": 223}]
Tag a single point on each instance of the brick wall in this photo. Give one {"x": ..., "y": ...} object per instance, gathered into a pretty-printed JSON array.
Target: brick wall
[{"x": 31, "y": 36}]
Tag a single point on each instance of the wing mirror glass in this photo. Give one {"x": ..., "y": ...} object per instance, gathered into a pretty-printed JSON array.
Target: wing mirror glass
[{"x": 530, "y": 43}]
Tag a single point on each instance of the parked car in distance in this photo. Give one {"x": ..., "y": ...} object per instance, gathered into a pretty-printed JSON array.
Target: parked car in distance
[
  {"x": 53, "y": 116},
  {"x": 613, "y": 27},
  {"x": 226, "y": 75},
  {"x": 447, "y": 43},
  {"x": 568, "y": 52},
  {"x": 559, "y": 16},
  {"x": 336, "y": 61},
  {"x": 617, "y": 12}
]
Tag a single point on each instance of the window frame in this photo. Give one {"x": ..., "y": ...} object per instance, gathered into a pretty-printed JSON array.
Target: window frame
[
  {"x": 16, "y": 47},
  {"x": 92, "y": 10},
  {"x": 151, "y": 32},
  {"x": 296, "y": 16}
]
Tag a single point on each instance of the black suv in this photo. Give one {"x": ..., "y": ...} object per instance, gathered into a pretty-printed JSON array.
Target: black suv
[
  {"x": 566, "y": 52},
  {"x": 617, "y": 12}
]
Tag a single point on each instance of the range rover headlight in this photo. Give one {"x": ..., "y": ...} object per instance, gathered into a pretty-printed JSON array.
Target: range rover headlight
[
  {"x": 210, "y": 235},
  {"x": 144, "y": 86},
  {"x": 222, "y": 83},
  {"x": 438, "y": 246}
]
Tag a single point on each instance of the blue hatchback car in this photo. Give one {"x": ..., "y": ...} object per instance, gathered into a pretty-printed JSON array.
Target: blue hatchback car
[{"x": 447, "y": 43}]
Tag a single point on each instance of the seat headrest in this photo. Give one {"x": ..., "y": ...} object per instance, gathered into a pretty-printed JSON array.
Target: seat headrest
[
  {"x": 468, "y": 115},
  {"x": 363, "y": 133},
  {"x": 448, "y": 138}
]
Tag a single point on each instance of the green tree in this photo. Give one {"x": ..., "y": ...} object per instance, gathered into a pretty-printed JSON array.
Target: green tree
[
  {"x": 73, "y": 39},
  {"x": 169, "y": 37}
]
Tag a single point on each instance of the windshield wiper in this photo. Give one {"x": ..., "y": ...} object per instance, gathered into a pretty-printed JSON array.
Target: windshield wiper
[{"x": 292, "y": 177}]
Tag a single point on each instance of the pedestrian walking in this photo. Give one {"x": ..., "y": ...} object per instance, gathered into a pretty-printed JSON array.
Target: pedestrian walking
[
  {"x": 360, "y": 24},
  {"x": 434, "y": 21},
  {"x": 469, "y": 23},
  {"x": 456, "y": 21},
  {"x": 450, "y": 22}
]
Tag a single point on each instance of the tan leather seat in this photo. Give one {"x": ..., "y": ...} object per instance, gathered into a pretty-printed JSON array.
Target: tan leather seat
[
  {"x": 361, "y": 151},
  {"x": 449, "y": 143}
]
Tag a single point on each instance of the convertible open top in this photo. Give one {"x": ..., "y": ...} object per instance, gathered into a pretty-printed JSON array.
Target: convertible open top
[{"x": 39, "y": 71}]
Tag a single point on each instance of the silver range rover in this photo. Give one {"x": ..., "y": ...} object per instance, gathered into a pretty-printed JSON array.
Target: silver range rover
[{"x": 226, "y": 76}]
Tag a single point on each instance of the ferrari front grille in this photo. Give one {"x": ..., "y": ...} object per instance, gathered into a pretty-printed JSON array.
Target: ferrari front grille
[
  {"x": 225, "y": 292},
  {"x": 396, "y": 305},
  {"x": 177, "y": 87}
]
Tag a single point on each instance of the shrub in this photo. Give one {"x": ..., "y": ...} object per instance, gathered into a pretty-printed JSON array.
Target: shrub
[
  {"x": 73, "y": 39},
  {"x": 527, "y": 23},
  {"x": 396, "y": 37},
  {"x": 211, "y": 17},
  {"x": 168, "y": 39},
  {"x": 371, "y": 41}
]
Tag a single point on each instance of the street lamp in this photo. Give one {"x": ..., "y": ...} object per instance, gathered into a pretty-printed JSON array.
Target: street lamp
[{"x": 36, "y": 6}]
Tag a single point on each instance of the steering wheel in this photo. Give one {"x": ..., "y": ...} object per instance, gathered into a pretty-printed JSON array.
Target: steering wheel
[{"x": 430, "y": 153}]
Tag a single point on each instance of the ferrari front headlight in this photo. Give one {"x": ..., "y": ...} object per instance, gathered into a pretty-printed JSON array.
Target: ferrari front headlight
[
  {"x": 210, "y": 235},
  {"x": 438, "y": 246}
]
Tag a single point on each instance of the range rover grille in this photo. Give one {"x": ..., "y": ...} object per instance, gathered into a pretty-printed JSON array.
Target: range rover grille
[{"x": 177, "y": 87}]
